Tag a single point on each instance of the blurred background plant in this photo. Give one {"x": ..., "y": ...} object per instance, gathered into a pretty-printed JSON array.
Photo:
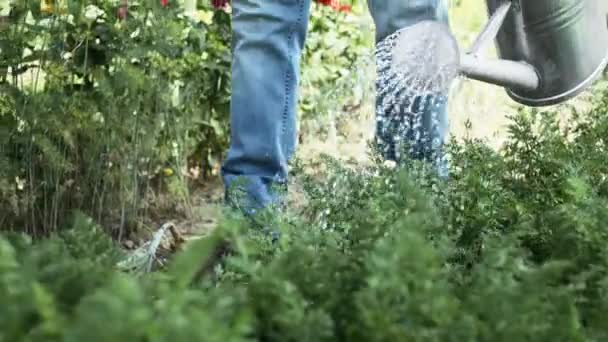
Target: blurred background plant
[
  {"x": 106, "y": 111},
  {"x": 99, "y": 111}
]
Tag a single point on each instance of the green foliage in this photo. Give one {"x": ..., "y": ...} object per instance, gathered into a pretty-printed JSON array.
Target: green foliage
[
  {"x": 94, "y": 108},
  {"x": 101, "y": 114},
  {"x": 511, "y": 248},
  {"x": 335, "y": 61}
]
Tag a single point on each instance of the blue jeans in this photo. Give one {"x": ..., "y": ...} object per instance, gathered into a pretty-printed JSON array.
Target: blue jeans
[{"x": 268, "y": 38}]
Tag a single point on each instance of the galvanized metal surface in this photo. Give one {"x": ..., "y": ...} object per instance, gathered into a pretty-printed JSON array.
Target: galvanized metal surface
[
  {"x": 566, "y": 41},
  {"x": 500, "y": 72}
]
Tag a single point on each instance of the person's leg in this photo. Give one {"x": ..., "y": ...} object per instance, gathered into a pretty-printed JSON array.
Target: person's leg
[
  {"x": 393, "y": 130},
  {"x": 268, "y": 37}
]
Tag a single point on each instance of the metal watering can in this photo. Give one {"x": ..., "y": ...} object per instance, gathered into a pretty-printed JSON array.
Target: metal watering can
[{"x": 550, "y": 50}]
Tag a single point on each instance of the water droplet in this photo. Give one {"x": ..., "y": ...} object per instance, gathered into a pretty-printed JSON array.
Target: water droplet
[{"x": 416, "y": 67}]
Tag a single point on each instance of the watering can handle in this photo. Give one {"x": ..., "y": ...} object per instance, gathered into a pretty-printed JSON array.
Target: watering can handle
[{"x": 490, "y": 31}]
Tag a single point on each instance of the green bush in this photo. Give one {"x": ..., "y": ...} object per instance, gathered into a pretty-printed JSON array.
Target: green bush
[
  {"x": 339, "y": 49},
  {"x": 102, "y": 115},
  {"x": 511, "y": 248},
  {"x": 92, "y": 110},
  {"x": 97, "y": 112}
]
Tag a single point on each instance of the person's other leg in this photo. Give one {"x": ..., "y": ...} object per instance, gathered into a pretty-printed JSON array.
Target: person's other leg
[
  {"x": 268, "y": 37},
  {"x": 391, "y": 131}
]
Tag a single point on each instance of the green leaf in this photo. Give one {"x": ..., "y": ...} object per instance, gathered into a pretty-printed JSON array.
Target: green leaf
[{"x": 189, "y": 264}]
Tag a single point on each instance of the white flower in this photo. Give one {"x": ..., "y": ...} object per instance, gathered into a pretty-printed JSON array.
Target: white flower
[
  {"x": 390, "y": 164},
  {"x": 93, "y": 12}
]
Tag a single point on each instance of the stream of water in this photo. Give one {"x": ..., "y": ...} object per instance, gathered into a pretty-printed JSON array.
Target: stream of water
[{"x": 416, "y": 67}]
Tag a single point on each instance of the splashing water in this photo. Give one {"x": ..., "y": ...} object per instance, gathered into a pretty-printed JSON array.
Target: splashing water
[{"x": 416, "y": 67}]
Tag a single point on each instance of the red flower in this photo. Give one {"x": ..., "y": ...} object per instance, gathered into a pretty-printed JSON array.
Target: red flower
[
  {"x": 335, "y": 4},
  {"x": 345, "y": 8},
  {"x": 164, "y": 2},
  {"x": 220, "y": 3}
]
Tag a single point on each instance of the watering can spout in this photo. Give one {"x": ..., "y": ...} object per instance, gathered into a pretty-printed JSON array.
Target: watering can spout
[
  {"x": 501, "y": 72},
  {"x": 504, "y": 73}
]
